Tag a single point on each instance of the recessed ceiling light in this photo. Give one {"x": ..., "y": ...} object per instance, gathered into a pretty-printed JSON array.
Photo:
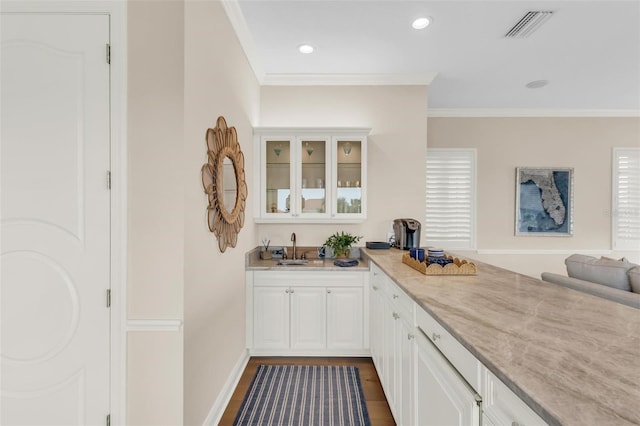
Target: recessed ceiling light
[
  {"x": 421, "y": 23},
  {"x": 536, "y": 84},
  {"x": 305, "y": 48}
]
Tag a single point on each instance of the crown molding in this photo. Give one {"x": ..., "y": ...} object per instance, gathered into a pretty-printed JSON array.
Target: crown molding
[
  {"x": 526, "y": 112},
  {"x": 348, "y": 79},
  {"x": 239, "y": 24}
]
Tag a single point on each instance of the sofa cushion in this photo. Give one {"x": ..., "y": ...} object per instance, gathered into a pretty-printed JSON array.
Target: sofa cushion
[
  {"x": 612, "y": 273},
  {"x": 634, "y": 278},
  {"x": 625, "y": 297}
]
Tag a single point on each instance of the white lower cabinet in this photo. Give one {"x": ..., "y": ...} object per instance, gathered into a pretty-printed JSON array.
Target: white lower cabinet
[
  {"x": 306, "y": 313},
  {"x": 442, "y": 398},
  {"x": 345, "y": 318},
  {"x": 502, "y": 407},
  {"x": 428, "y": 377},
  {"x": 406, "y": 406},
  {"x": 271, "y": 317},
  {"x": 308, "y": 317},
  {"x": 376, "y": 323},
  {"x": 392, "y": 340}
]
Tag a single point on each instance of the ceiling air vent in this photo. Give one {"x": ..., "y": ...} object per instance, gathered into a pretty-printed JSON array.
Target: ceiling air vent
[{"x": 530, "y": 22}]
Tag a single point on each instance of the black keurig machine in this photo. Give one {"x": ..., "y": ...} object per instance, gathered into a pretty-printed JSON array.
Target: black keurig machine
[{"x": 407, "y": 233}]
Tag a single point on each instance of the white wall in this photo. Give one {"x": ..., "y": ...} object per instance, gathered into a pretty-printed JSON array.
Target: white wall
[
  {"x": 396, "y": 149},
  {"x": 506, "y": 143},
  {"x": 155, "y": 209},
  {"x": 218, "y": 81},
  {"x": 185, "y": 68}
]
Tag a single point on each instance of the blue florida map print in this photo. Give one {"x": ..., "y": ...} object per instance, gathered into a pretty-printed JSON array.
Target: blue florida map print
[{"x": 544, "y": 201}]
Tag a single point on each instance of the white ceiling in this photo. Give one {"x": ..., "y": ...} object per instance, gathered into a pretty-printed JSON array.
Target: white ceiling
[{"x": 589, "y": 51}]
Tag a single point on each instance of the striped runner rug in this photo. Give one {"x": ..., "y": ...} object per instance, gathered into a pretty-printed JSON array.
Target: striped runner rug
[{"x": 304, "y": 395}]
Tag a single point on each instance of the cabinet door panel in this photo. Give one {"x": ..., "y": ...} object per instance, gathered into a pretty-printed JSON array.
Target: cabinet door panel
[
  {"x": 271, "y": 317},
  {"x": 442, "y": 398},
  {"x": 389, "y": 357},
  {"x": 345, "y": 327},
  {"x": 312, "y": 201},
  {"x": 376, "y": 331},
  {"x": 350, "y": 176},
  {"x": 277, "y": 177},
  {"x": 308, "y": 310},
  {"x": 406, "y": 339}
]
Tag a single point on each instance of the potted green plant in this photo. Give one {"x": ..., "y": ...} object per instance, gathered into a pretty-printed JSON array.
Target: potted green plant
[{"x": 340, "y": 243}]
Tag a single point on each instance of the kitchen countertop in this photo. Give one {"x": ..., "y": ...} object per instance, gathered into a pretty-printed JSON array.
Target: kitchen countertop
[
  {"x": 254, "y": 263},
  {"x": 572, "y": 357}
]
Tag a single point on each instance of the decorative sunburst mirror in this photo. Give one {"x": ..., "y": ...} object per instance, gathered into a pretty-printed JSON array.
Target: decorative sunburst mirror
[{"x": 224, "y": 183}]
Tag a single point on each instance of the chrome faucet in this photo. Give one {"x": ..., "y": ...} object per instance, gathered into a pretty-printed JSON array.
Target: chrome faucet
[{"x": 293, "y": 238}]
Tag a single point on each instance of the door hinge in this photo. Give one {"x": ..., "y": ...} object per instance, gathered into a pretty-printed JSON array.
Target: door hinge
[
  {"x": 108, "y": 419},
  {"x": 108, "y": 298},
  {"x": 108, "y": 54},
  {"x": 108, "y": 179}
]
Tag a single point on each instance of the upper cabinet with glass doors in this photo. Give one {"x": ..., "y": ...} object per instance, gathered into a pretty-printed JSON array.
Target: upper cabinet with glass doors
[{"x": 311, "y": 175}]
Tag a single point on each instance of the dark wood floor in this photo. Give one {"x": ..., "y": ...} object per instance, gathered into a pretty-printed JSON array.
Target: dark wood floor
[{"x": 377, "y": 406}]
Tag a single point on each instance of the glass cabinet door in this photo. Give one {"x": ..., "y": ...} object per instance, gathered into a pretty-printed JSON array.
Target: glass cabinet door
[
  {"x": 349, "y": 183},
  {"x": 278, "y": 176},
  {"x": 313, "y": 176}
]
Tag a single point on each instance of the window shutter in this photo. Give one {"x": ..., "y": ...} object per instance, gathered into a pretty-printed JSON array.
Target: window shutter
[
  {"x": 451, "y": 198},
  {"x": 626, "y": 199}
]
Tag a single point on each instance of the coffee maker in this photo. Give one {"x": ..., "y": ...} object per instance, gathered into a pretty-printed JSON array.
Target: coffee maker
[{"x": 407, "y": 233}]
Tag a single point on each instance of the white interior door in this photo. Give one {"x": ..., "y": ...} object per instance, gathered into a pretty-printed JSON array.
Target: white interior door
[{"x": 55, "y": 215}]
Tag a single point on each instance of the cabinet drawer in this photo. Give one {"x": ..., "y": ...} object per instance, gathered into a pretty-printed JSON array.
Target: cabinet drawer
[
  {"x": 308, "y": 278},
  {"x": 458, "y": 355},
  {"x": 400, "y": 301},
  {"x": 502, "y": 406}
]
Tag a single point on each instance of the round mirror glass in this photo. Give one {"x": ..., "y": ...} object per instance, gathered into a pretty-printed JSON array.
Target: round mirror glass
[{"x": 229, "y": 184}]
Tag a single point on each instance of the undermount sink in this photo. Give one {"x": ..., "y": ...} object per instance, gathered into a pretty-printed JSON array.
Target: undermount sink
[{"x": 293, "y": 262}]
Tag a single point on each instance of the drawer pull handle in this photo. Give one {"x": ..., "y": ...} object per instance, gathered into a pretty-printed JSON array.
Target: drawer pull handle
[
  {"x": 410, "y": 337},
  {"x": 395, "y": 296},
  {"x": 435, "y": 336},
  {"x": 328, "y": 291},
  {"x": 396, "y": 316},
  {"x": 375, "y": 288}
]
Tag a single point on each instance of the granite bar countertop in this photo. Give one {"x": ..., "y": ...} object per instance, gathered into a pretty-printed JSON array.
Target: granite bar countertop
[
  {"x": 572, "y": 357},
  {"x": 254, "y": 263}
]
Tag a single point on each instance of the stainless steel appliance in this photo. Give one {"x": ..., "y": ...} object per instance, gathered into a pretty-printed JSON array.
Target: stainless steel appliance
[{"x": 407, "y": 233}]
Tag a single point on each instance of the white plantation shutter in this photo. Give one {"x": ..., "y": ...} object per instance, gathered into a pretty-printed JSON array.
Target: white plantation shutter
[
  {"x": 451, "y": 198},
  {"x": 626, "y": 199}
]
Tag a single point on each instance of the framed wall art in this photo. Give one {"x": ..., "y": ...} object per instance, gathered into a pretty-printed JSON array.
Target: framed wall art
[{"x": 544, "y": 201}]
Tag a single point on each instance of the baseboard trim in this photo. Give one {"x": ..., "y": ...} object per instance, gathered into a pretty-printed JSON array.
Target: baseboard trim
[
  {"x": 354, "y": 353},
  {"x": 543, "y": 251},
  {"x": 221, "y": 402}
]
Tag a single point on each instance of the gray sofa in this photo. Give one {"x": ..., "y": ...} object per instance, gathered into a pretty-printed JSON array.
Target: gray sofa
[{"x": 616, "y": 280}]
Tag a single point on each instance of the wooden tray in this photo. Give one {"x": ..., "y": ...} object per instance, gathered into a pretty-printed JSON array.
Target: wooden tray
[{"x": 458, "y": 267}]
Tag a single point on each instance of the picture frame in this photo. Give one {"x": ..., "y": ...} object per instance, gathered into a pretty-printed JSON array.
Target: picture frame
[{"x": 544, "y": 201}]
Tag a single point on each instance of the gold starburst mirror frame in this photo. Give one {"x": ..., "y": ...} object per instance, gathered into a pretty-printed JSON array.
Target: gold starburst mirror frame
[{"x": 224, "y": 183}]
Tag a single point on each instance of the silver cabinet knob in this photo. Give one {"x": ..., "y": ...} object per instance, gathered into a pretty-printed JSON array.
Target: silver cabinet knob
[
  {"x": 435, "y": 336},
  {"x": 286, "y": 291},
  {"x": 515, "y": 424},
  {"x": 396, "y": 316},
  {"x": 291, "y": 291},
  {"x": 395, "y": 296},
  {"x": 328, "y": 291},
  {"x": 410, "y": 336},
  {"x": 374, "y": 287}
]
